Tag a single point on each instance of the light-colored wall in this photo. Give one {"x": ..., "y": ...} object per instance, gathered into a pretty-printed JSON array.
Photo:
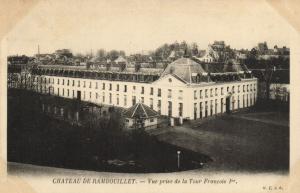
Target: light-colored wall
[
  {"x": 165, "y": 83},
  {"x": 238, "y": 94}
]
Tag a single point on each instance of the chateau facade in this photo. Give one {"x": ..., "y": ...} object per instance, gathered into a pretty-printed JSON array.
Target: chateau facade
[{"x": 186, "y": 88}]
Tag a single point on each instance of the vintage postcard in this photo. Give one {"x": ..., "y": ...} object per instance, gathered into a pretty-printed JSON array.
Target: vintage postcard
[{"x": 149, "y": 96}]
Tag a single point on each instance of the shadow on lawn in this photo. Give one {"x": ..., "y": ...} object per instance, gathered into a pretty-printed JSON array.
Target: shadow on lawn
[{"x": 98, "y": 144}]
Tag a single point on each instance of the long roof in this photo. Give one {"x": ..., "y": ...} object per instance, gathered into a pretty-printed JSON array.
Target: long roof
[{"x": 185, "y": 68}]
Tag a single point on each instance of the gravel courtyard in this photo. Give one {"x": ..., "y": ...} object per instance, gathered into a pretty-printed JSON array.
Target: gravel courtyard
[{"x": 242, "y": 142}]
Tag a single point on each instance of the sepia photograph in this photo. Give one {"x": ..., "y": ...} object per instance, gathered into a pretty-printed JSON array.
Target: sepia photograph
[{"x": 121, "y": 92}]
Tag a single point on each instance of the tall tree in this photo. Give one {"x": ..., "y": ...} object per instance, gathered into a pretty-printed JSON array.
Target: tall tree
[
  {"x": 113, "y": 54},
  {"x": 101, "y": 53}
]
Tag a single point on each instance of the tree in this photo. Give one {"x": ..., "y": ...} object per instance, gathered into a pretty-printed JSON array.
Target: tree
[
  {"x": 101, "y": 53},
  {"x": 113, "y": 54},
  {"x": 122, "y": 53},
  {"x": 194, "y": 49},
  {"x": 79, "y": 55}
]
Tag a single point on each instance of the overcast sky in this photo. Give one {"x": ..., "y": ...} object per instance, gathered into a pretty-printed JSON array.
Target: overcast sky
[{"x": 134, "y": 26}]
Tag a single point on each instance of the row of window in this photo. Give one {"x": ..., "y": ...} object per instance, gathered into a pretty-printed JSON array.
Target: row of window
[
  {"x": 233, "y": 104},
  {"x": 67, "y": 83},
  {"x": 110, "y": 86},
  {"x": 214, "y": 92},
  {"x": 66, "y": 93}
]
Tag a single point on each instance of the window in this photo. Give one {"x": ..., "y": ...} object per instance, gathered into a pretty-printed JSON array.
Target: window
[
  {"x": 180, "y": 94},
  {"x": 243, "y": 88},
  {"x": 78, "y": 83},
  {"x": 133, "y": 100},
  {"x": 134, "y": 87},
  {"x": 211, "y": 92},
  {"x": 143, "y": 90},
  {"x": 118, "y": 87},
  {"x": 117, "y": 99},
  {"x": 63, "y": 92},
  {"x": 58, "y": 81},
  {"x": 180, "y": 109},
  {"x": 68, "y": 92},
  {"x": 195, "y": 110},
  {"x": 169, "y": 93},
  {"x": 170, "y": 110},
  {"x": 142, "y": 100},
  {"x": 96, "y": 86},
  {"x": 90, "y": 85},
  {"x": 110, "y": 86},
  {"x": 151, "y": 91},
  {"x": 159, "y": 92},
  {"x": 103, "y": 86},
  {"x": 73, "y": 93},
  {"x": 247, "y": 87},
  {"x": 90, "y": 95},
  {"x": 73, "y": 82},
  {"x": 222, "y": 105},
  {"x": 216, "y": 91},
  {"x": 110, "y": 98},
  {"x": 125, "y": 100},
  {"x": 151, "y": 103},
  {"x": 63, "y": 82},
  {"x": 238, "y": 88},
  {"x": 232, "y": 90},
  {"x": 159, "y": 106},
  {"x": 206, "y": 93},
  {"x": 195, "y": 94},
  {"x": 151, "y": 120},
  {"x": 227, "y": 89},
  {"x": 68, "y": 82},
  {"x": 222, "y": 91},
  {"x": 211, "y": 104},
  {"x": 103, "y": 97},
  {"x": 83, "y": 84},
  {"x": 200, "y": 94},
  {"x": 216, "y": 106},
  {"x": 96, "y": 96},
  {"x": 125, "y": 88}
]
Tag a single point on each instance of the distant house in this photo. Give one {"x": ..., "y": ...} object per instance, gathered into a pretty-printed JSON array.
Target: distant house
[
  {"x": 140, "y": 116},
  {"x": 281, "y": 51},
  {"x": 241, "y": 54},
  {"x": 265, "y": 53},
  {"x": 206, "y": 57},
  {"x": 120, "y": 62}
]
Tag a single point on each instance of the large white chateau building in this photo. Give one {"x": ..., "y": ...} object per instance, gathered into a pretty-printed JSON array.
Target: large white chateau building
[{"x": 187, "y": 88}]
